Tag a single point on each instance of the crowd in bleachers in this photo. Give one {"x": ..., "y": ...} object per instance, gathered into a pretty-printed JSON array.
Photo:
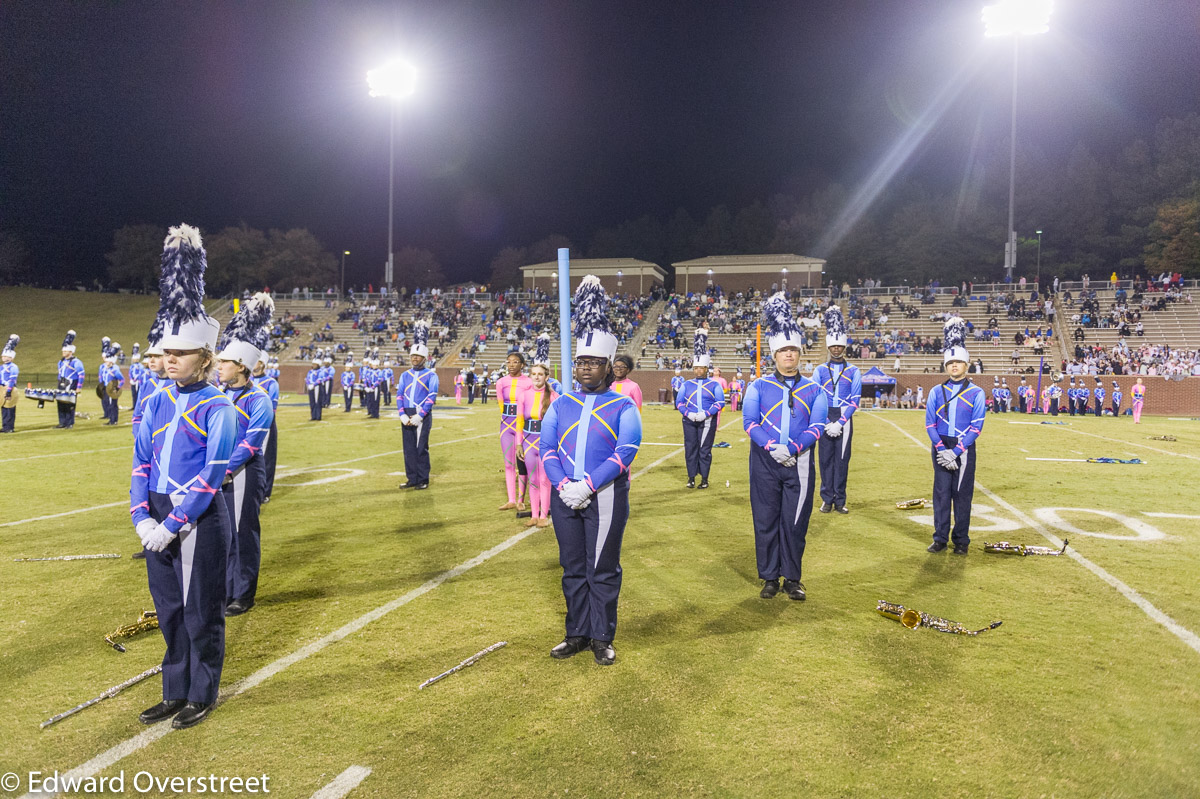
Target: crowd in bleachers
[{"x": 1148, "y": 359}]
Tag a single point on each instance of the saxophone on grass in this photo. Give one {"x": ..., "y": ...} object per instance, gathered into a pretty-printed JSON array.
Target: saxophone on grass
[
  {"x": 1023, "y": 549},
  {"x": 912, "y": 619}
]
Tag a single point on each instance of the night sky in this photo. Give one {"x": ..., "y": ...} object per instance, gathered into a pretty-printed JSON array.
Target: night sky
[{"x": 530, "y": 118}]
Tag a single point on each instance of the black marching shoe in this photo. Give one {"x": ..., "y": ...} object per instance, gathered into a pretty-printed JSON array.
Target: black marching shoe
[
  {"x": 770, "y": 589},
  {"x": 407, "y": 485},
  {"x": 841, "y": 509},
  {"x": 191, "y": 715},
  {"x": 421, "y": 486},
  {"x": 571, "y": 645},
  {"x": 960, "y": 549},
  {"x": 691, "y": 484},
  {"x": 238, "y": 606},
  {"x": 162, "y": 711},
  {"x": 825, "y": 507},
  {"x": 936, "y": 546},
  {"x": 794, "y": 589},
  {"x": 703, "y": 484},
  {"x": 604, "y": 653}
]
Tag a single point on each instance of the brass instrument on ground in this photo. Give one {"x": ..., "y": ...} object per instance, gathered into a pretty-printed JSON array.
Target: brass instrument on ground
[
  {"x": 147, "y": 621},
  {"x": 1024, "y": 550},
  {"x": 911, "y": 503},
  {"x": 912, "y": 619}
]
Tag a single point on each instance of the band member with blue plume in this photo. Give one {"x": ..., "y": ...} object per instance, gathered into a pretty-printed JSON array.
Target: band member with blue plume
[
  {"x": 785, "y": 415},
  {"x": 313, "y": 380},
  {"x": 842, "y": 383},
  {"x": 8, "y": 384},
  {"x": 590, "y": 436},
  {"x": 137, "y": 374},
  {"x": 416, "y": 393},
  {"x": 243, "y": 346},
  {"x": 180, "y": 457},
  {"x": 270, "y": 384},
  {"x": 348, "y": 378},
  {"x": 110, "y": 382},
  {"x": 70, "y": 382},
  {"x": 699, "y": 400},
  {"x": 953, "y": 420}
]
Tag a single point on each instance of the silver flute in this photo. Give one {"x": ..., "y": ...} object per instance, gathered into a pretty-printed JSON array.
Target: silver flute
[
  {"x": 111, "y": 692},
  {"x": 468, "y": 662},
  {"x": 66, "y": 557}
]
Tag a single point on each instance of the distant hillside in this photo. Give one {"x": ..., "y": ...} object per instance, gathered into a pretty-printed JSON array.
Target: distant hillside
[{"x": 42, "y": 317}]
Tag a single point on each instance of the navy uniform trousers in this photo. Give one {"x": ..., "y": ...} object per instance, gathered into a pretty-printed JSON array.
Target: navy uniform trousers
[
  {"x": 8, "y": 419},
  {"x": 953, "y": 488},
  {"x": 270, "y": 452},
  {"x": 373, "y": 403},
  {"x": 781, "y": 500},
  {"x": 348, "y": 398},
  {"x": 66, "y": 414},
  {"x": 698, "y": 440},
  {"x": 187, "y": 582},
  {"x": 314, "y": 403},
  {"x": 243, "y": 497},
  {"x": 589, "y": 551},
  {"x": 416, "y": 448},
  {"x": 835, "y": 461},
  {"x": 386, "y": 390}
]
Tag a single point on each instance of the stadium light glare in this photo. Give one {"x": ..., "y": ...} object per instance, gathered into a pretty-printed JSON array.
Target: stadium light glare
[
  {"x": 1017, "y": 17},
  {"x": 396, "y": 79}
]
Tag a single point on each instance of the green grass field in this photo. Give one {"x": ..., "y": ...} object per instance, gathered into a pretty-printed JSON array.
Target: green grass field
[{"x": 1081, "y": 693}]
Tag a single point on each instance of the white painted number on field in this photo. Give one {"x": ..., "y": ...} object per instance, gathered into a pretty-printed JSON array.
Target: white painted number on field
[
  {"x": 342, "y": 474},
  {"x": 1141, "y": 531},
  {"x": 979, "y": 513}
]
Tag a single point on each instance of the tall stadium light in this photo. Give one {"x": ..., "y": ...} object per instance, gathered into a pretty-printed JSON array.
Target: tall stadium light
[
  {"x": 343, "y": 293},
  {"x": 395, "y": 80},
  {"x": 564, "y": 313},
  {"x": 1015, "y": 18},
  {"x": 1039, "y": 261}
]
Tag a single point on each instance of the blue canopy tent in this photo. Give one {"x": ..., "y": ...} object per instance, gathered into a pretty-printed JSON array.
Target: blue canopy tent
[{"x": 875, "y": 382}]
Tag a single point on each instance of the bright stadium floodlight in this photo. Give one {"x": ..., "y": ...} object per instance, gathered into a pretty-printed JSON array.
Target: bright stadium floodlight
[
  {"x": 1017, "y": 17},
  {"x": 394, "y": 80}
]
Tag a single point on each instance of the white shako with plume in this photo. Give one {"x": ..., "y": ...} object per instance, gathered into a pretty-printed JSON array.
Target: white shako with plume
[
  {"x": 245, "y": 338},
  {"x": 782, "y": 330},
  {"x": 593, "y": 338},
  {"x": 69, "y": 341},
  {"x": 835, "y": 327},
  {"x": 700, "y": 356},
  {"x": 954, "y": 335},
  {"x": 10, "y": 348},
  {"x": 420, "y": 345},
  {"x": 185, "y": 324},
  {"x": 541, "y": 353},
  {"x": 105, "y": 347}
]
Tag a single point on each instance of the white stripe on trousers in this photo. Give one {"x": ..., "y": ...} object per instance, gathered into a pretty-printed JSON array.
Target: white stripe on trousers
[
  {"x": 802, "y": 462},
  {"x": 604, "y": 503}
]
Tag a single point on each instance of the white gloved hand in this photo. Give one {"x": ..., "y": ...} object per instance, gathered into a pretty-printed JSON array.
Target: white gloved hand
[
  {"x": 404, "y": 419},
  {"x": 144, "y": 528},
  {"x": 790, "y": 462},
  {"x": 576, "y": 495},
  {"x": 780, "y": 453},
  {"x": 833, "y": 429},
  {"x": 159, "y": 538},
  {"x": 697, "y": 416},
  {"x": 948, "y": 459}
]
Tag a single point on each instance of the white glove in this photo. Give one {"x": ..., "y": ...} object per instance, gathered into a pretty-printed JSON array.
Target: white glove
[
  {"x": 159, "y": 538},
  {"x": 697, "y": 416},
  {"x": 576, "y": 495},
  {"x": 790, "y": 462},
  {"x": 780, "y": 453},
  {"x": 948, "y": 459},
  {"x": 404, "y": 419},
  {"x": 833, "y": 429},
  {"x": 144, "y": 528}
]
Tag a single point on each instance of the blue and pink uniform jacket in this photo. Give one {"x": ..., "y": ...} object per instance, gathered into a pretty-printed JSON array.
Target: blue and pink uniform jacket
[
  {"x": 771, "y": 414},
  {"x": 419, "y": 389},
  {"x": 842, "y": 384},
  {"x": 955, "y": 410},
  {"x": 254, "y": 416},
  {"x": 589, "y": 437},
  {"x": 700, "y": 394}
]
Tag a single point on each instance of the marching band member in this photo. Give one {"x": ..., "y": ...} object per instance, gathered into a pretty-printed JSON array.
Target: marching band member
[
  {"x": 589, "y": 438},
  {"x": 531, "y": 407},
  {"x": 374, "y": 392},
  {"x": 385, "y": 383},
  {"x": 1046, "y": 398},
  {"x": 348, "y": 383},
  {"x": 1098, "y": 393},
  {"x": 699, "y": 400},
  {"x": 622, "y": 367},
  {"x": 1083, "y": 395},
  {"x": 1116, "y": 398},
  {"x": 996, "y": 396},
  {"x": 270, "y": 384},
  {"x": 416, "y": 394},
  {"x": 1138, "y": 393},
  {"x": 1023, "y": 396},
  {"x": 953, "y": 420},
  {"x": 137, "y": 373},
  {"x": 676, "y": 385},
  {"x": 1005, "y": 396},
  {"x": 724, "y": 384},
  {"x": 508, "y": 388},
  {"x": 180, "y": 457},
  {"x": 312, "y": 382},
  {"x": 737, "y": 388},
  {"x": 70, "y": 379},
  {"x": 154, "y": 376},
  {"x": 326, "y": 381},
  {"x": 113, "y": 382},
  {"x": 244, "y": 341},
  {"x": 460, "y": 380},
  {"x": 107, "y": 357},
  {"x": 1072, "y": 399},
  {"x": 8, "y": 384},
  {"x": 1056, "y": 393},
  {"x": 785, "y": 416},
  {"x": 842, "y": 383}
]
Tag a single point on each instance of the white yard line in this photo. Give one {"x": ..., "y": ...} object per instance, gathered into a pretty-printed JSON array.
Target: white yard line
[
  {"x": 64, "y": 513},
  {"x": 1179, "y": 631},
  {"x": 343, "y": 783},
  {"x": 127, "y": 747},
  {"x": 128, "y": 447},
  {"x": 1158, "y": 515}
]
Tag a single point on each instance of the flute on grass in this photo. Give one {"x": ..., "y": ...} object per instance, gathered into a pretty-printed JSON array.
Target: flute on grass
[{"x": 111, "y": 692}]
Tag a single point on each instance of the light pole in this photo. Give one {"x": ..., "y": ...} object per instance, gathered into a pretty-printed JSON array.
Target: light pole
[
  {"x": 1038, "y": 280},
  {"x": 394, "y": 80},
  {"x": 1014, "y": 18},
  {"x": 343, "y": 290}
]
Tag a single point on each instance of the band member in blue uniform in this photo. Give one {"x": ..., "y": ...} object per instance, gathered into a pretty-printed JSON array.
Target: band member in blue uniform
[
  {"x": 269, "y": 384},
  {"x": 70, "y": 380},
  {"x": 312, "y": 383},
  {"x": 111, "y": 381},
  {"x": 1084, "y": 396},
  {"x": 154, "y": 377},
  {"x": 348, "y": 378},
  {"x": 842, "y": 383},
  {"x": 8, "y": 385},
  {"x": 415, "y": 395},
  {"x": 1098, "y": 394},
  {"x": 180, "y": 457},
  {"x": 785, "y": 415},
  {"x": 327, "y": 372},
  {"x": 242, "y": 347},
  {"x": 1056, "y": 393},
  {"x": 373, "y": 379},
  {"x": 388, "y": 379},
  {"x": 1072, "y": 400},
  {"x": 589, "y": 438},
  {"x": 1005, "y": 396},
  {"x": 137, "y": 373},
  {"x": 699, "y": 400},
  {"x": 677, "y": 382},
  {"x": 1025, "y": 396},
  {"x": 953, "y": 420},
  {"x": 1116, "y": 398}
]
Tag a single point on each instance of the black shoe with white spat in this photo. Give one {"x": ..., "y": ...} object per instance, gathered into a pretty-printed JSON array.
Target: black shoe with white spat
[
  {"x": 841, "y": 509},
  {"x": 603, "y": 652},
  {"x": 825, "y": 507},
  {"x": 571, "y": 645}
]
